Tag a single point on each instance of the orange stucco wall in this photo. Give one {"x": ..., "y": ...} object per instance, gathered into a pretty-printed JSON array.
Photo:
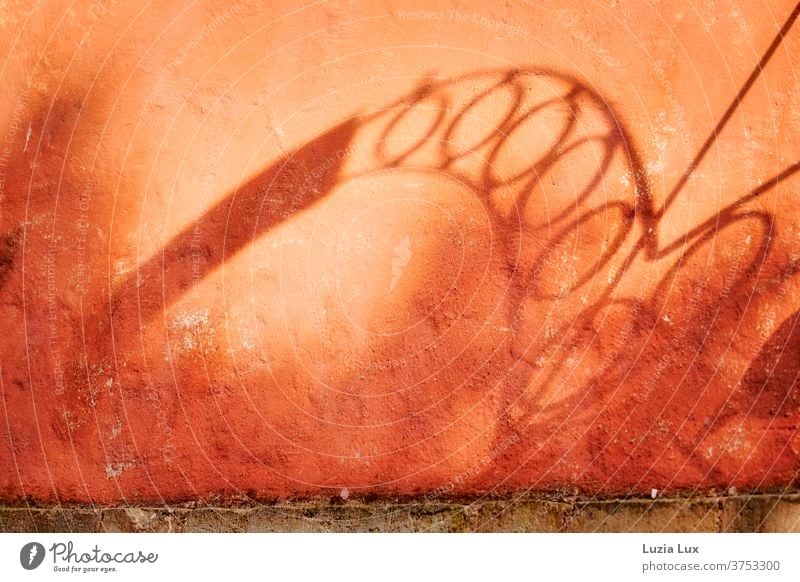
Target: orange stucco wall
[{"x": 431, "y": 249}]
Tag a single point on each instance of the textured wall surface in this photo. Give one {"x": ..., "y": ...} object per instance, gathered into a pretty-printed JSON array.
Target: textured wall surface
[{"x": 353, "y": 249}]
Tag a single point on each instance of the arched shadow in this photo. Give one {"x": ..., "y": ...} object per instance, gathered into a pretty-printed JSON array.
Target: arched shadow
[
  {"x": 238, "y": 220},
  {"x": 507, "y": 168}
]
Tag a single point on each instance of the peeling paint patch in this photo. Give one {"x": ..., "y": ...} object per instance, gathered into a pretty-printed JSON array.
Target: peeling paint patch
[{"x": 114, "y": 470}]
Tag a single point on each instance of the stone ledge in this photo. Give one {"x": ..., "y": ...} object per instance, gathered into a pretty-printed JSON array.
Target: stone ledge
[{"x": 754, "y": 513}]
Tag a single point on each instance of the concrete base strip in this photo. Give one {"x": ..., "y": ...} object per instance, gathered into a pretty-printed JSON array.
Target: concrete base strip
[{"x": 753, "y": 513}]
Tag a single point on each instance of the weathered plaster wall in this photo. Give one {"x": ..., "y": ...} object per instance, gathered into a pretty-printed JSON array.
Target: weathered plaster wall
[{"x": 367, "y": 248}]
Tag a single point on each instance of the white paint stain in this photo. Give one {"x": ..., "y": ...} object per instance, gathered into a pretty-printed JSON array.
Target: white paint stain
[
  {"x": 402, "y": 256},
  {"x": 115, "y": 470},
  {"x": 191, "y": 320}
]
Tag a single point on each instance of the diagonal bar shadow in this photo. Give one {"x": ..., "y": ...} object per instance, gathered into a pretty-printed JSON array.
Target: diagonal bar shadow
[
  {"x": 723, "y": 121},
  {"x": 236, "y": 221}
]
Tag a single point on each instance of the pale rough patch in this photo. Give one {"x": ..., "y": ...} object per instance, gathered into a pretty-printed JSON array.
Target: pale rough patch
[
  {"x": 114, "y": 470},
  {"x": 192, "y": 324},
  {"x": 191, "y": 320}
]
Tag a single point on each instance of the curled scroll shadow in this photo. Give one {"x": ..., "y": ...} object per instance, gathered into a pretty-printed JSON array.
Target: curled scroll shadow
[{"x": 457, "y": 139}]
